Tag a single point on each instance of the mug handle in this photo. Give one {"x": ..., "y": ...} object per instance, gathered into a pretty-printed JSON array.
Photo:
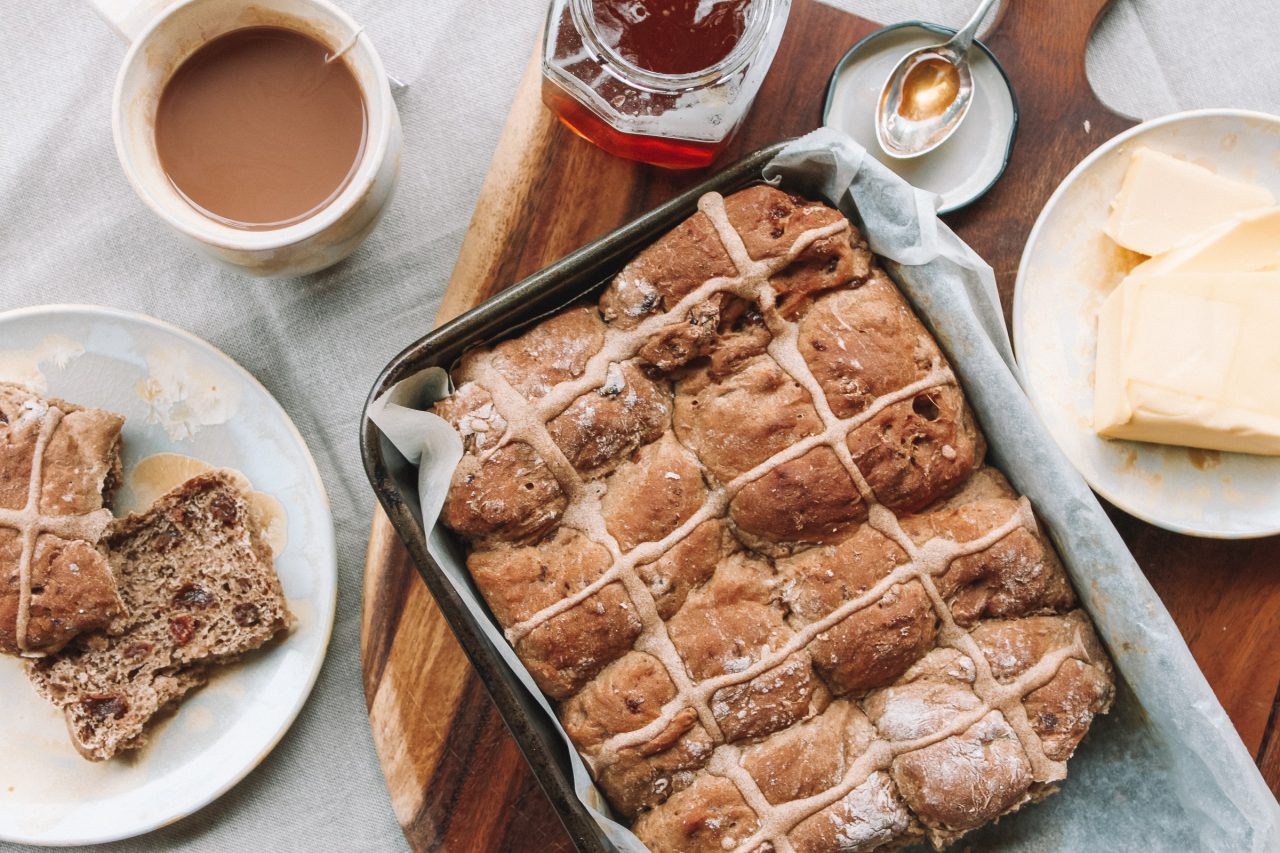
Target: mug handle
[{"x": 129, "y": 17}]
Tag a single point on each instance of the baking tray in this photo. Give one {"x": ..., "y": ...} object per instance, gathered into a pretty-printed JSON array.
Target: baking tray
[
  {"x": 577, "y": 275},
  {"x": 1211, "y": 796}
]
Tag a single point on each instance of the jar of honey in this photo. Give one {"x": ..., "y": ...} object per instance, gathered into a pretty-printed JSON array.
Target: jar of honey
[{"x": 666, "y": 82}]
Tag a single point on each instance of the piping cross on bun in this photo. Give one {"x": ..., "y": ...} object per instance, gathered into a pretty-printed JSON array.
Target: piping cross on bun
[
  {"x": 58, "y": 465},
  {"x": 736, "y": 523}
]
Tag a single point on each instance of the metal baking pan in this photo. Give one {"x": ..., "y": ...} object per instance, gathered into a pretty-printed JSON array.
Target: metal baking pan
[
  {"x": 581, "y": 273},
  {"x": 1166, "y": 723}
]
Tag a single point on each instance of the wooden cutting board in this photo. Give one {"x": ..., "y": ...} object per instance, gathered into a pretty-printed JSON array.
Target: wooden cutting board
[{"x": 457, "y": 779}]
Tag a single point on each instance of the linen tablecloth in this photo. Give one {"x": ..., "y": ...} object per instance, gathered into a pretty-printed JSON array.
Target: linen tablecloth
[{"x": 71, "y": 230}]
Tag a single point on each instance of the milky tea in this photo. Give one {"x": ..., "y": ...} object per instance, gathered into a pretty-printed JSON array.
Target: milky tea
[{"x": 261, "y": 127}]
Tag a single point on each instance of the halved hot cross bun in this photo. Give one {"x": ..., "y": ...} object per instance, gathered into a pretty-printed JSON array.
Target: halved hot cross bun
[{"x": 58, "y": 465}]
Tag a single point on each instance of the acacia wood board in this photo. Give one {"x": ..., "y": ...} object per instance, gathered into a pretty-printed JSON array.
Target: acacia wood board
[{"x": 457, "y": 779}]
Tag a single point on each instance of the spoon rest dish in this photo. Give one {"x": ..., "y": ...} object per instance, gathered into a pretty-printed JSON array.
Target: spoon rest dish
[{"x": 963, "y": 167}]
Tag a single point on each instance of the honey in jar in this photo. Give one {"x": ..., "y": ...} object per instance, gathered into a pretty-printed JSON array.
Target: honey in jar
[{"x": 666, "y": 82}]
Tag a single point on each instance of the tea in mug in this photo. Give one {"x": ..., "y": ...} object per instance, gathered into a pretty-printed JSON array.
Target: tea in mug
[{"x": 261, "y": 127}]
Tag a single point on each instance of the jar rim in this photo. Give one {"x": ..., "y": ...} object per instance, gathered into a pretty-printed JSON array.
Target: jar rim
[{"x": 753, "y": 36}]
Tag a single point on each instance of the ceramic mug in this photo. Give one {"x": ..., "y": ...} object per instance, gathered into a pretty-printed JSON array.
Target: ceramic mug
[{"x": 162, "y": 36}]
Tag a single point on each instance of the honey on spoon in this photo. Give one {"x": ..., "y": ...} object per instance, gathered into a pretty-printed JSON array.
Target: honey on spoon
[
  {"x": 929, "y": 88},
  {"x": 928, "y": 94}
]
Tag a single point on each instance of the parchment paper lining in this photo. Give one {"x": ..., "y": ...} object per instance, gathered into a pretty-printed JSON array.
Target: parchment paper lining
[{"x": 1167, "y": 770}]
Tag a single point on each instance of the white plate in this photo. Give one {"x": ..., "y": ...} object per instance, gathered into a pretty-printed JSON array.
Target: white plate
[
  {"x": 48, "y": 793},
  {"x": 1068, "y": 268},
  {"x": 959, "y": 170}
]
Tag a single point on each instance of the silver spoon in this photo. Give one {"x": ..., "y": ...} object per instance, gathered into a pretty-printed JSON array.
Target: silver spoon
[{"x": 928, "y": 94}]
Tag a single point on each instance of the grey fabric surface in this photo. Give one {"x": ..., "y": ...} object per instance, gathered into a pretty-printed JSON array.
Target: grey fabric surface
[{"x": 71, "y": 230}]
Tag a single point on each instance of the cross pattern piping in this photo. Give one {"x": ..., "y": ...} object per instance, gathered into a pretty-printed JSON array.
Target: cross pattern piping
[
  {"x": 526, "y": 422},
  {"x": 30, "y": 522}
]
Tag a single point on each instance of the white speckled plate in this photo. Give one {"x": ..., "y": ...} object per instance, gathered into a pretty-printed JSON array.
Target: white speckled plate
[
  {"x": 1068, "y": 268},
  {"x": 99, "y": 357}
]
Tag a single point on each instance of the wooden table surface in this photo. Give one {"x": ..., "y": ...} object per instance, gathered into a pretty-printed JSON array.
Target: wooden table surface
[{"x": 457, "y": 779}]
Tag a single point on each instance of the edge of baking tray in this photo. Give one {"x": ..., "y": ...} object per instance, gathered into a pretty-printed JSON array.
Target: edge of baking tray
[{"x": 547, "y": 290}]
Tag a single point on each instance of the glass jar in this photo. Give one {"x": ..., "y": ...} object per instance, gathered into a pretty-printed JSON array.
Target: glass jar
[{"x": 602, "y": 87}]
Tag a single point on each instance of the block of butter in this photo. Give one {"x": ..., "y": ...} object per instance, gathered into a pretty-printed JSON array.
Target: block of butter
[
  {"x": 1163, "y": 201},
  {"x": 1248, "y": 243},
  {"x": 1192, "y": 358}
]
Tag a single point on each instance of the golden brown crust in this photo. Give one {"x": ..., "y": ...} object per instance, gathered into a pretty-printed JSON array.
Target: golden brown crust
[
  {"x": 73, "y": 591},
  {"x": 872, "y": 816},
  {"x": 602, "y": 427},
  {"x": 726, "y": 622},
  {"x": 1017, "y": 576},
  {"x": 565, "y": 652},
  {"x": 810, "y": 757},
  {"x": 628, "y": 694},
  {"x": 1062, "y": 710},
  {"x": 770, "y": 221},
  {"x": 652, "y": 493},
  {"x": 568, "y": 650},
  {"x": 498, "y": 492},
  {"x": 810, "y": 500},
  {"x": 49, "y": 550},
  {"x": 508, "y": 496},
  {"x": 813, "y": 757},
  {"x": 710, "y": 815},
  {"x": 863, "y": 343},
  {"x": 554, "y": 351},
  {"x": 679, "y": 343},
  {"x": 739, "y": 417},
  {"x": 791, "y": 507},
  {"x": 688, "y": 565},
  {"x": 875, "y": 645},
  {"x": 960, "y": 783},
  {"x": 665, "y": 272},
  {"x": 920, "y": 450}
]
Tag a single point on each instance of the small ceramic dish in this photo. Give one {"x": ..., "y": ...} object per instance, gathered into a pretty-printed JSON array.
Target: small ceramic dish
[
  {"x": 1069, "y": 266},
  {"x": 131, "y": 364},
  {"x": 964, "y": 167}
]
